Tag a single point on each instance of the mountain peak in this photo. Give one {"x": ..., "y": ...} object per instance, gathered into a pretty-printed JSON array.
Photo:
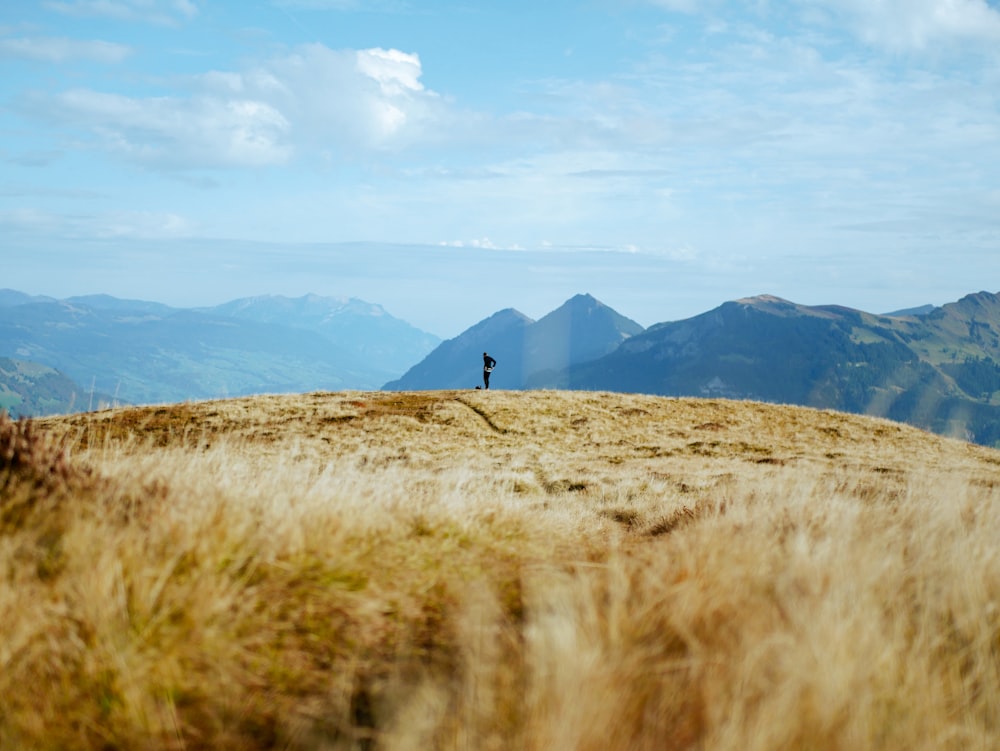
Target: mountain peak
[
  {"x": 581, "y": 329},
  {"x": 589, "y": 312},
  {"x": 761, "y": 301},
  {"x": 501, "y": 321},
  {"x": 509, "y": 313},
  {"x": 977, "y": 306},
  {"x": 777, "y": 306},
  {"x": 979, "y": 299}
]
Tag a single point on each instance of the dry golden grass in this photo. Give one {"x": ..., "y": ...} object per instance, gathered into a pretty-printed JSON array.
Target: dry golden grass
[{"x": 491, "y": 570}]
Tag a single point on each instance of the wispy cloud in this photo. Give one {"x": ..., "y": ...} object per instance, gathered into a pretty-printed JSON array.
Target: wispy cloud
[
  {"x": 164, "y": 12},
  {"x": 620, "y": 174},
  {"x": 916, "y": 25},
  {"x": 899, "y": 26},
  {"x": 48, "y": 192},
  {"x": 62, "y": 49},
  {"x": 33, "y": 157},
  {"x": 174, "y": 133},
  {"x": 480, "y": 243},
  {"x": 118, "y": 225},
  {"x": 369, "y": 6}
]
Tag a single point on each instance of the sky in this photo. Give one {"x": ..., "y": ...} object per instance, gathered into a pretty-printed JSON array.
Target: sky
[{"x": 447, "y": 159}]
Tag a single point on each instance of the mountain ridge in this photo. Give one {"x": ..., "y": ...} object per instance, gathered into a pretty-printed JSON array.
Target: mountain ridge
[
  {"x": 938, "y": 371},
  {"x": 148, "y": 352}
]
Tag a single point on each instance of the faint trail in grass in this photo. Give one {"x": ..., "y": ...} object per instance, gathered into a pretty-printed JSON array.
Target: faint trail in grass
[{"x": 485, "y": 417}]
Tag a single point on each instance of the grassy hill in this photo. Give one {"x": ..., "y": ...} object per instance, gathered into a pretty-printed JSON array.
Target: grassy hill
[{"x": 480, "y": 570}]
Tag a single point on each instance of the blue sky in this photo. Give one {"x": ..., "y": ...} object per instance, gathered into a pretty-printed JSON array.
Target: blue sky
[{"x": 449, "y": 159}]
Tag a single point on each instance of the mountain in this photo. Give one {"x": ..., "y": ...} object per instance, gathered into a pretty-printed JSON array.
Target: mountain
[
  {"x": 920, "y": 310},
  {"x": 937, "y": 371},
  {"x": 581, "y": 329},
  {"x": 28, "y": 389},
  {"x": 109, "y": 303},
  {"x": 372, "y": 337},
  {"x": 10, "y": 297},
  {"x": 458, "y": 363},
  {"x": 145, "y": 352}
]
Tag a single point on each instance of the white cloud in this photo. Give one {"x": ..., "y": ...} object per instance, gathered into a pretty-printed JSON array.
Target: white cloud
[
  {"x": 167, "y": 132},
  {"x": 309, "y": 101},
  {"x": 61, "y": 49},
  {"x": 168, "y": 12},
  {"x": 916, "y": 25},
  {"x": 483, "y": 243},
  {"x": 395, "y": 71},
  {"x": 341, "y": 98}
]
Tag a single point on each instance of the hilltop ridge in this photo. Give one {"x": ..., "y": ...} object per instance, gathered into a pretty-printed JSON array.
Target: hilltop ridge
[
  {"x": 495, "y": 569},
  {"x": 597, "y": 435}
]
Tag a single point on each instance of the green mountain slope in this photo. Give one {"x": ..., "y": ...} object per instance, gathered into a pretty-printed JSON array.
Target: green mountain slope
[
  {"x": 29, "y": 389},
  {"x": 938, "y": 371},
  {"x": 370, "y": 336}
]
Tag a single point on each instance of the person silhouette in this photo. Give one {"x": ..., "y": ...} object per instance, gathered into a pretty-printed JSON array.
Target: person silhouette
[{"x": 488, "y": 364}]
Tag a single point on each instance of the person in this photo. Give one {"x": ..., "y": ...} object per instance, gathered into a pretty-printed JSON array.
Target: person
[{"x": 488, "y": 364}]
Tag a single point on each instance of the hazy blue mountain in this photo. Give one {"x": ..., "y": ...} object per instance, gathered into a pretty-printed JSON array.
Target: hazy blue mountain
[
  {"x": 145, "y": 358},
  {"x": 458, "y": 363},
  {"x": 145, "y": 352},
  {"x": 374, "y": 338},
  {"x": 13, "y": 297},
  {"x": 107, "y": 302},
  {"x": 938, "y": 371},
  {"x": 581, "y": 329}
]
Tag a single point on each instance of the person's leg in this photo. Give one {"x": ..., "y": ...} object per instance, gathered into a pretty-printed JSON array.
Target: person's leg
[{"x": 486, "y": 378}]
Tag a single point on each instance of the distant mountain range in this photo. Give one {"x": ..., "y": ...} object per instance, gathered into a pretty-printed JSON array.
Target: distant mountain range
[
  {"x": 936, "y": 370},
  {"x": 146, "y": 352},
  {"x": 934, "y": 367}
]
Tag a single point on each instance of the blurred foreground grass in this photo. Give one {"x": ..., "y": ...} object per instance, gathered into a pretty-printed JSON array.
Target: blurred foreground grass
[{"x": 477, "y": 570}]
